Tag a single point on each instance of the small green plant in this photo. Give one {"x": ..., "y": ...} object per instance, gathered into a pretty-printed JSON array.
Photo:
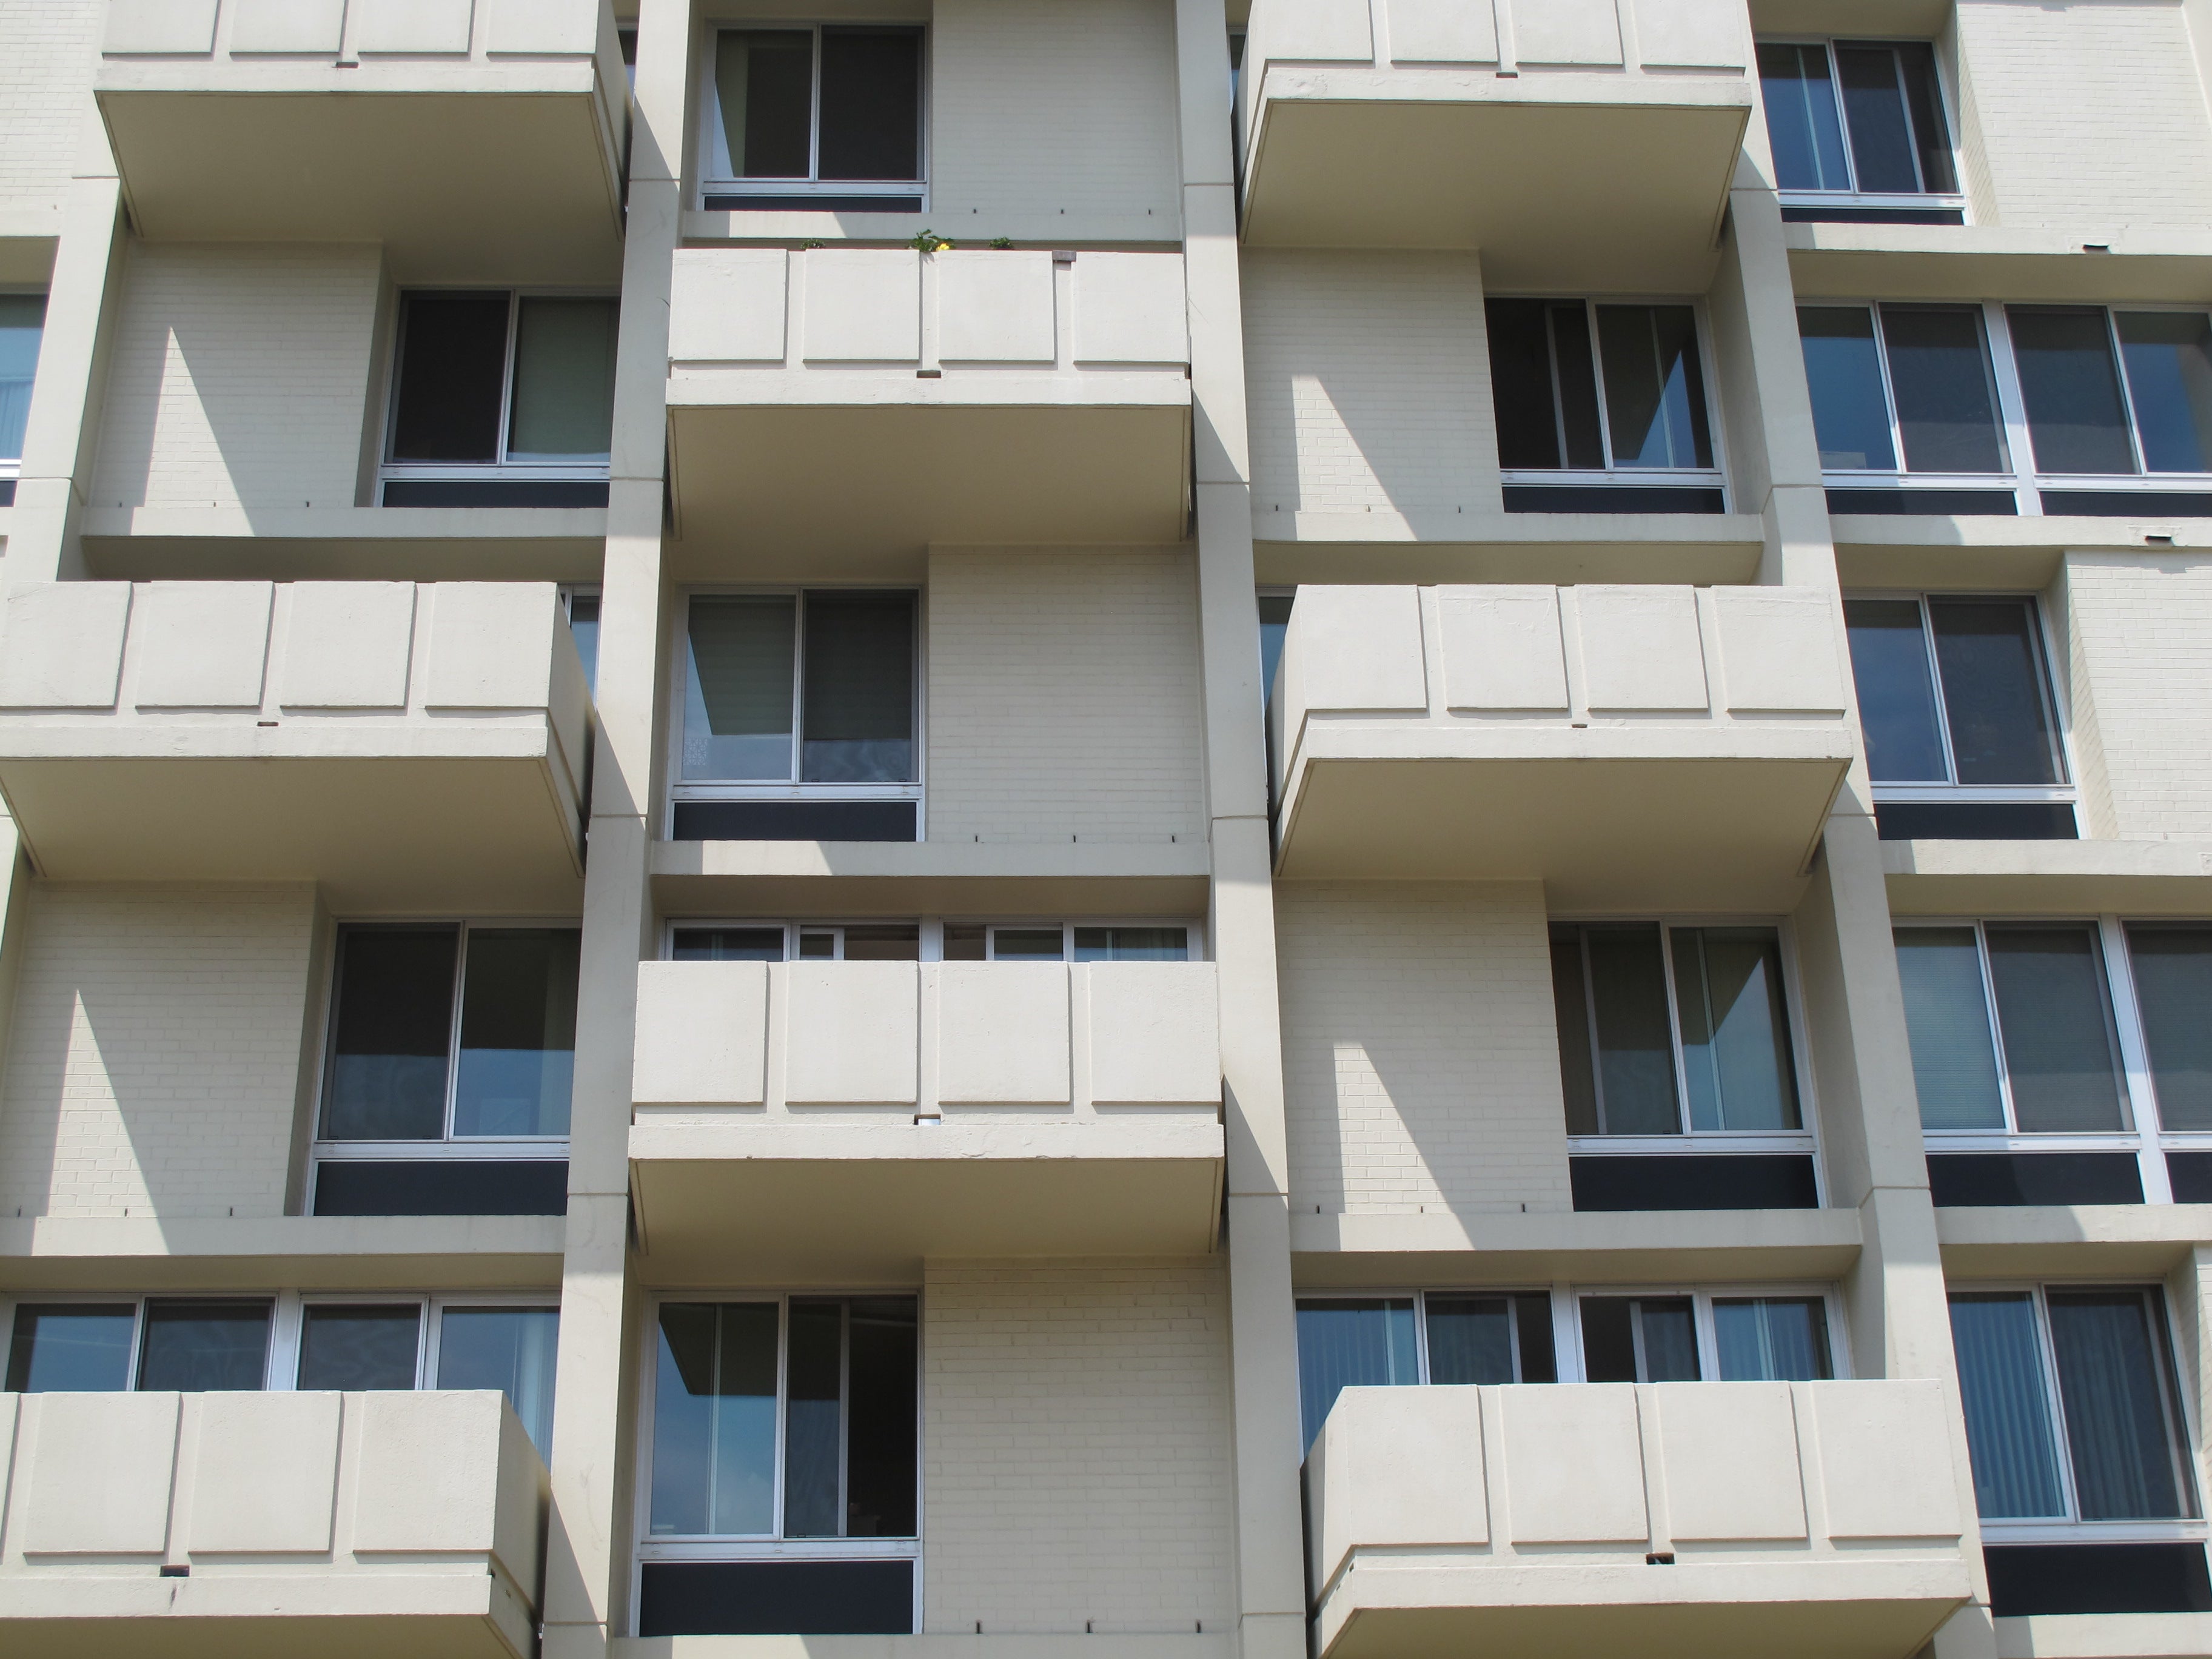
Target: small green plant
[
  {"x": 803, "y": 246},
  {"x": 1002, "y": 241},
  {"x": 930, "y": 243}
]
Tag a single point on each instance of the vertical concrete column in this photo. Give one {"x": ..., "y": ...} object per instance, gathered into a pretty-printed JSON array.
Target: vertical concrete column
[
  {"x": 1269, "y": 1551},
  {"x": 587, "y": 1556}
]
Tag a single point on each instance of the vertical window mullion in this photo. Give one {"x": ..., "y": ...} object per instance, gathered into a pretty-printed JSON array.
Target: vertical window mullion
[
  {"x": 2011, "y": 409},
  {"x": 1597, "y": 378},
  {"x": 1842, "y": 114},
  {"x": 1636, "y": 1336},
  {"x": 1512, "y": 1335},
  {"x": 426, "y": 1343},
  {"x": 2127, "y": 1027},
  {"x": 2127, "y": 390},
  {"x": 1558, "y": 400},
  {"x": 1709, "y": 1335},
  {"x": 814, "y": 115},
  {"x": 2047, "y": 1352},
  {"x": 799, "y": 689},
  {"x": 782, "y": 1406},
  {"x": 1996, "y": 1026},
  {"x": 1935, "y": 683},
  {"x": 1888, "y": 388},
  {"x": 506, "y": 379},
  {"x": 454, "y": 1038},
  {"x": 1590, "y": 1014},
  {"x": 844, "y": 1414},
  {"x": 137, "y": 1343},
  {"x": 1682, "y": 1125},
  {"x": 1911, "y": 129}
]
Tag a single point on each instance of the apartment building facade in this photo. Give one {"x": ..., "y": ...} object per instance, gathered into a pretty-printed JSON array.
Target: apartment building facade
[{"x": 1105, "y": 827}]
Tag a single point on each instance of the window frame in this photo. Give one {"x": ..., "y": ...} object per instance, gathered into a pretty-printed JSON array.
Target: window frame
[
  {"x": 136, "y": 1302},
  {"x": 1689, "y": 1141},
  {"x": 2172, "y": 1391},
  {"x": 931, "y": 946},
  {"x": 1611, "y": 475},
  {"x": 679, "y": 670},
  {"x": 593, "y": 470},
  {"x": 714, "y": 176},
  {"x": 1915, "y": 201},
  {"x": 1567, "y": 1337},
  {"x": 1900, "y": 476},
  {"x": 289, "y": 1330},
  {"x": 11, "y": 467},
  {"x": 647, "y": 1549}
]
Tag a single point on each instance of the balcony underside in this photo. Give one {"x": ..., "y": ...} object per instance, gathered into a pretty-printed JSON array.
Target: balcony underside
[{"x": 425, "y": 1614}]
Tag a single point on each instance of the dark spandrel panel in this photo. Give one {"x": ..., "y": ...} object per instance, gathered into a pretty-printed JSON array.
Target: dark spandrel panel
[
  {"x": 2190, "y": 1175},
  {"x": 1998, "y": 1180},
  {"x": 795, "y": 820},
  {"x": 1859, "y": 215},
  {"x": 2127, "y": 503},
  {"x": 776, "y": 1598},
  {"x": 813, "y": 203},
  {"x": 475, "y": 1185},
  {"x": 1975, "y": 820},
  {"x": 452, "y": 376},
  {"x": 1695, "y": 1181},
  {"x": 1961, "y": 503},
  {"x": 494, "y": 492},
  {"x": 2027, "y": 1579},
  {"x": 1611, "y": 498}
]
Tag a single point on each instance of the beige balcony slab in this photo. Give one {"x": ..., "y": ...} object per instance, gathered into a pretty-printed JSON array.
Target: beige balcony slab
[
  {"x": 2059, "y": 1240},
  {"x": 948, "y": 1644},
  {"x": 1640, "y": 747},
  {"x": 1571, "y": 152},
  {"x": 2107, "y": 1636},
  {"x": 899, "y": 878},
  {"x": 840, "y": 399},
  {"x": 857, "y": 1117},
  {"x": 402, "y": 743},
  {"x": 479, "y": 140},
  {"x": 212, "y": 1253},
  {"x": 1982, "y": 262},
  {"x": 2044, "y": 878},
  {"x": 380, "y": 543},
  {"x": 350, "y": 1526},
  {"x": 1818, "y": 1519}
]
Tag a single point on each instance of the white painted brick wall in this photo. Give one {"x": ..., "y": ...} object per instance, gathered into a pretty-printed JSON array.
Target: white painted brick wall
[
  {"x": 1420, "y": 1055},
  {"x": 154, "y": 1064},
  {"x": 2139, "y": 629},
  {"x": 2091, "y": 113},
  {"x": 240, "y": 376},
  {"x": 1064, "y": 696},
  {"x": 48, "y": 49},
  {"x": 1041, "y": 105},
  {"x": 1369, "y": 381},
  {"x": 1076, "y": 1448}
]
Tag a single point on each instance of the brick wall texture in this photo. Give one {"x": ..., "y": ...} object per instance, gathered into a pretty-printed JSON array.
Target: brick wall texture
[
  {"x": 47, "y": 52},
  {"x": 2138, "y": 640}
]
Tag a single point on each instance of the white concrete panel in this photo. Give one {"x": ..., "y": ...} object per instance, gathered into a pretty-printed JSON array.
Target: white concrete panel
[
  {"x": 1410, "y": 1466},
  {"x": 1641, "y": 648},
  {"x": 726, "y": 305},
  {"x": 1690, "y": 34},
  {"x": 545, "y": 27},
  {"x": 1885, "y": 1460},
  {"x": 863, "y": 305},
  {"x": 1778, "y": 650},
  {"x": 264, "y": 1473},
  {"x": 1574, "y": 1464},
  {"x": 1361, "y": 650},
  {"x": 851, "y": 1032},
  {"x": 412, "y": 26},
  {"x": 429, "y": 1472},
  {"x": 1443, "y": 32},
  {"x": 491, "y": 645},
  {"x": 167, "y": 27},
  {"x": 1318, "y": 30},
  {"x": 286, "y": 26},
  {"x": 996, "y": 307},
  {"x": 101, "y": 1470},
  {"x": 1129, "y": 308},
  {"x": 61, "y": 644},
  {"x": 1002, "y": 1034},
  {"x": 1155, "y": 1033},
  {"x": 1566, "y": 31},
  {"x": 702, "y": 1033},
  {"x": 1502, "y": 648},
  {"x": 347, "y": 645},
  {"x": 1730, "y": 1453},
  {"x": 201, "y": 645}
]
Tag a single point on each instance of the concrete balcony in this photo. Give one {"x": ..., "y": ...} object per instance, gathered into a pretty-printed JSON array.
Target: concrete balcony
[
  {"x": 264, "y": 1526},
  {"x": 858, "y": 1117},
  {"x": 1816, "y": 1519},
  {"x": 1629, "y": 746},
  {"x": 472, "y": 133},
  {"x": 845, "y": 399},
  {"x": 1573, "y": 151},
  {"x": 405, "y": 744}
]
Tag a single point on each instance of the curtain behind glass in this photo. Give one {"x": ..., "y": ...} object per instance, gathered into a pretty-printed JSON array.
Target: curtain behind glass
[
  {"x": 1655, "y": 389},
  {"x": 23, "y": 322},
  {"x": 1993, "y": 690},
  {"x": 859, "y": 688},
  {"x": 1939, "y": 370},
  {"x": 2173, "y": 989},
  {"x": 2008, "y": 1411},
  {"x": 1735, "y": 1038},
  {"x": 739, "y": 668},
  {"x": 764, "y": 81},
  {"x": 2121, "y": 1424},
  {"x": 510, "y": 1349},
  {"x": 348, "y": 1346},
  {"x": 1470, "y": 1339},
  {"x": 1842, "y": 371},
  {"x": 1349, "y": 1345},
  {"x": 518, "y": 1059},
  {"x": 2052, "y": 1018},
  {"x": 564, "y": 380},
  {"x": 1947, "y": 1022},
  {"x": 1772, "y": 1339},
  {"x": 1799, "y": 97},
  {"x": 2072, "y": 388}
]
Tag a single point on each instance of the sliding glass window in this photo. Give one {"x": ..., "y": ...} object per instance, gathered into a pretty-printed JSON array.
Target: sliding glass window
[
  {"x": 23, "y": 325},
  {"x": 1691, "y": 1336},
  {"x": 826, "y": 118},
  {"x": 1432, "y": 1337},
  {"x": 1859, "y": 131}
]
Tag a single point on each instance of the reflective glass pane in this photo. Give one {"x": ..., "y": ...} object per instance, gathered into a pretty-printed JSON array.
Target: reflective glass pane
[
  {"x": 1931, "y": 132},
  {"x": 1939, "y": 370},
  {"x": 1275, "y": 623},
  {"x": 391, "y": 1034},
  {"x": 355, "y": 1346},
  {"x": 64, "y": 1348},
  {"x": 2169, "y": 362},
  {"x": 584, "y": 628},
  {"x": 1803, "y": 122},
  {"x": 517, "y": 1056},
  {"x": 1352, "y": 1344},
  {"x": 1132, "y": 945},
  {"x": 882, "y": 1346},
  {"x": 452, "y": 376},
  {"x": 715, "y": 1420},
  {"x": 1470, "y": 1339},
  {"x": 814, "y": 1418},
  {"x": 1954, "y": 1064},
  {"x": 728, "y": 945},
  {"x": 2009, "y": 1424},
  {"x": 764, "y": 81},
  {"x": 2173, "y": 989},
  {"x": 1771, "y": 1338},
  {"x": 564, "y": 380},
  {"x": 1635, "y": 1048},
  {"x": 1897, "y": 693},
  {"x": 202, "y": 1345},
  {"x": 510, "y": 1349},
  {"x": 1851, "y": 415},
  {"x": 1735, "y": 1035},
  {"x": 1654, "y": 391},
  {"x": 23, "y": 322},
  {"x": 859, "y": 688},
  {"x": 2053, "y": 1019},
  {"x": 1667, "y": 1334},
  {"x": 739, "y": 669},
  {"x": 2122, "y": 1423},
  {"x": 1574, "y": 369},
  {"x": 871, "y": 103},
  {"x": 2072, "y": 388},
  {"x": 1570, "y": 1010},
  {"x": 1987, "y": 651},
  {"x": 1882, "y": 150}
]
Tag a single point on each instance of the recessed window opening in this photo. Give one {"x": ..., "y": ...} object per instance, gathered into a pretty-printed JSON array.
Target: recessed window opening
[
  {"x": 436, "y": 1342},
  {"x": 188, "y": 1344},
  {"x": 1856, "y": 127},
  {"x": 1420, "y": 1337},
  {"x": 1902, "y": 388},
  {"x": 825, "y": 117},
  {"x": 23, "y": 325},
  {"x": 1687, "y": 1336}
]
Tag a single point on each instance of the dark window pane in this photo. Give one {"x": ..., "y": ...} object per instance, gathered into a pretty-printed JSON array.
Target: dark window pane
[
  {"x": 881, "y": 1445},
  {"x": 393, "y": 1030},
  {"x": 1897, "y": 695},
  {"x": 1654, "y": 391},
  {"x": 764, "y": 80},
  {"x": 1993, "y": 690},
  {"x": 1635, "y": 1047},
  {"x": 584, "y": 628},
  {"x": 1850, "y": 416},
  {"x": 813, "y": 1423},
  {"x": 2169, "y": 362},
  {"x": 564, "y": 380},
  {"x": 1735, "y": 1036},
  {"x": 23, "y": 324},
  {"x": 1132, "y": 945},
  {"x": 736, "y": 709},
  {"x": 2001, "y": 1384},
  {"x": 360, "y": 1347},
  {"x": 1801, "y": 120},
  {"x": 460, "y": 1186},
  {"x": 2173, "y": 988},
  {"x": 964, "y": 941},
  {"x": 1946, "y": 407},
  {"x": 204, "y": 1345},
  {"x": 859, "y": 688},
  {"x": 1693, "y": 1180},
  {"x": 1471, "y": 1338},
  {"x": 1874, "y": 110},
  {"x": 1947, "y": 1022},
  {"x": 1031, "y": 943},
  {"x": 2049, "y": 986},
  {"x": 1608, "y": 1339},
  {"x": 2071, "y": 389},
  {"x": 775, "y": 1598},
  {"x": 1771, "y": 1338},
  {"x": 729, "y": 944},
  {"x": 64, "y": 1348},
  {"x": 1520, "y": 384},
  {"x": 2122, "y": 1420},
  {"x": 1575, "y": 368},
  {"x": 715, "y": 1420},
  {"x": 1532, "y": 1317},
  {"x": 1570, "y": 1008},
  {"x": 510, "y": 1349},
  {"x": 1347, "y": 1344},
  {"x": 871, "y": 103},
  {"x": 1666, "y": 1339},
  {"x": 517, "y": 1056},
  {"x": 1275, "y": 623},
  {"x": 453, "y": 377},
  {"x": 1923, "y": 97},
  {"x": 882, "y": 941}
]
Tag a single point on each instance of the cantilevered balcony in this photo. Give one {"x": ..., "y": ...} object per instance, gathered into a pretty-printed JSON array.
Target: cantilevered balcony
[
  {"x": 1578, "y": 143},
  {"x": 410, "y": 745},
  {"x": 1645, "y": 745},
  {"x": 265, "y": 1526},
  {"x": 464, "y": 135},
  {"x": 839, "y": 399},
  {"x": 859, "y": 1116},
  {"x": 1676, "y": 1521}
]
